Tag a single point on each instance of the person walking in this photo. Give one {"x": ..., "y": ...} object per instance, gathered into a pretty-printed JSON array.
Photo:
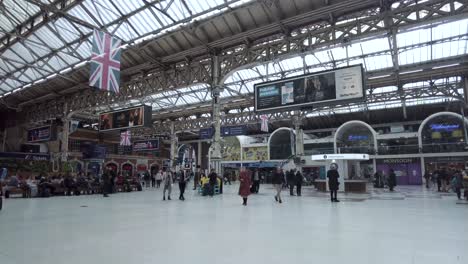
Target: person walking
[
  {"x": 299, "y": 180},
  {"x": 167, "y": 183},
  {"x": 443, "y": 179},
  {"x": 227, "y": 177},
  {"x": 196, "y": 179},
  {"x": 159, "y": 177},
  {"x": 457, "y": 183},
  {"x": 291, "y": 181},
  {"x": 392, "y": 180},
  {"x": 244, "y": 187},
  {"x": 427, "y": 178},
  {"x": 333, "y": 184},
  {"x": 213, "y": 179},
  {"x": 278, "y": 181},
  {"x": 153, "y": 179},
  {"x": 147, "y": 178},
  {"x": 106, "y": 178},
  {"x": 256, "y": 181},
  {"x": 182, "y": 178}
]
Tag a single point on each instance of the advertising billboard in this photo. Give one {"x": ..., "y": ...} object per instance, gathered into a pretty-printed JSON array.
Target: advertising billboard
[
  {"x": 322, "y": 88},
  {"x": 40, "y": 134},
  {"x": 146, "y": 145},
  {"x": 91, "y": 150},
  {"x": 126, "y": 118}
]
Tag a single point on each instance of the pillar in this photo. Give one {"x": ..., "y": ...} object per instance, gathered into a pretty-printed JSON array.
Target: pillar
[
  {"x": 216, "y": 89},
  {"x": 65, "y": 134},
  {"x": 297, "y": 121},
  {"x": 173, "y": 153},
  {"x": 199, "y": 154},
  {"x": 215, "y": 148}
]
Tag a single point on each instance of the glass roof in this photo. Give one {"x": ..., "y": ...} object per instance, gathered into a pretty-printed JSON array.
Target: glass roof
[
  {"x": 63, "y": 44},
  {"x": 374, "y": 54}
]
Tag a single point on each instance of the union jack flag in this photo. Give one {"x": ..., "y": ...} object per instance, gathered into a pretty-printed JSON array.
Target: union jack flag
[
  {"x": 105, "y": 62},
  {"x": 264, "y": 125},
  {"x": 125, "y": 138}
]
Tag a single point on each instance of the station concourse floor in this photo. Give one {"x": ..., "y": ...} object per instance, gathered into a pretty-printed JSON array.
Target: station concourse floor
[{"x": 410, "y": 226}]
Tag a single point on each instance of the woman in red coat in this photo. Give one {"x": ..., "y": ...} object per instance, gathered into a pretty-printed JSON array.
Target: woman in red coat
[{"x": 245, "y": 183}]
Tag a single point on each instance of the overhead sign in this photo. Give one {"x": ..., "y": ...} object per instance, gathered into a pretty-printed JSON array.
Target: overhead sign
[
  {"x": 324, "y": 157},
  {"x": 126, "y": 118},
  {"x": 320, "y": 88},
  {"x": 206, "y": 133},
  {"x": 40, "y": 134},
  {"x": 233, "y": 131},
  {"x": 146, "y": 145},
  {"x": 93, "y": 151}
]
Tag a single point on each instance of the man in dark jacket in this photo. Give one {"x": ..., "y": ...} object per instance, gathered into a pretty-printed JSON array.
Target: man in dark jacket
[
  {"x": 299, "y": 180},
  {"x": 291, "y": 182},
  {"x": 182, "y": 178},
  {"x": 213, "y": 181},
  {"x": 333, "y": 184},
  {"x": 278, "y": 181},
  {"x": 391, "y": 180},
  {"x": 106, "y": 179}
]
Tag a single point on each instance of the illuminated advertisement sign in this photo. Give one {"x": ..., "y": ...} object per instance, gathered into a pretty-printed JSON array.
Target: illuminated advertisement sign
[
  {"x": 322, "y": 88},
  {"x": 126, "y": 118}
]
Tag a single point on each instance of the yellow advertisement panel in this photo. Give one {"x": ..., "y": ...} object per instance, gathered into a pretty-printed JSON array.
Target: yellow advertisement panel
[{"x": 255, "y": 153}]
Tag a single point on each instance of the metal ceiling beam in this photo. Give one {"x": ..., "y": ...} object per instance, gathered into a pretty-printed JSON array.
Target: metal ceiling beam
[
  {"x": 30, "y": 25},
  {"x": 316, "y": 37}
]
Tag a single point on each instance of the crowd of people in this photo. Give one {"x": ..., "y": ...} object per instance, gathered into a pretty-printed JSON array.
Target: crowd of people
[
  {"x": 446, "y": 179},
  {"x": 207, "y": 185},
  {"x": 46, "y": 185}
]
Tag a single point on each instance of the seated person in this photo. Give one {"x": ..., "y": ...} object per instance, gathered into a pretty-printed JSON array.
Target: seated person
[
  {"x": 45, "y": 187},
  {"x": 70, "y": 184},
  {"x": 11, "y": 183},
  {"x": 82, "y": 182}
]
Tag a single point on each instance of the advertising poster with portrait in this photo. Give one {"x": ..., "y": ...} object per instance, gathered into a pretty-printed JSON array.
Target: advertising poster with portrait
[
  {"x": 320, "y": 88},
  {"x": 125, "y": 118}
]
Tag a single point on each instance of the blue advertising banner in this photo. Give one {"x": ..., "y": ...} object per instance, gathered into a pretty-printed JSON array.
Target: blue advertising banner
[
  {"x": 146, "y": 145},
  {"x": 40, "y": 134},
  {"x": 93, "y": 151}
]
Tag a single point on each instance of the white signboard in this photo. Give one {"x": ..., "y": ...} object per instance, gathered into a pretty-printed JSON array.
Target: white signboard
[{"x": 324, "y": 157}]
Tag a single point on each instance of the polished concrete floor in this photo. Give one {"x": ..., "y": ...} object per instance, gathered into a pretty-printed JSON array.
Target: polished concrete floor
[{"x": 406, "y": 227}]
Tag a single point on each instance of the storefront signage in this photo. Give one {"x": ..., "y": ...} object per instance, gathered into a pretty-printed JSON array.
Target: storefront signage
[
  {"x": 322, "y": 88},
  {"x": 40, "y": 134},
  {"x": 358, "y": 137},
  {"x": 146, "y": 145},
  {"x": 25, "y": 156},
  {"x": 445, "y": 127},
  {"x": 126, "y": 118},
  {"x": 397, "y": 161}
]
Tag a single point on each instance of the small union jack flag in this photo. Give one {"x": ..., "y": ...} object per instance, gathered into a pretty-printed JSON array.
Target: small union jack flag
[
  {"x": 264, "y": 125},
  {"x": 105, "y": 62},
  {"x": 125, "y": 138}
]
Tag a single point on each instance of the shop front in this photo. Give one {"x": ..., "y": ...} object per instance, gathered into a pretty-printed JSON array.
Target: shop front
[
  {"x": 451, "y": 162},
  {"x": 407, "y": 170}
]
